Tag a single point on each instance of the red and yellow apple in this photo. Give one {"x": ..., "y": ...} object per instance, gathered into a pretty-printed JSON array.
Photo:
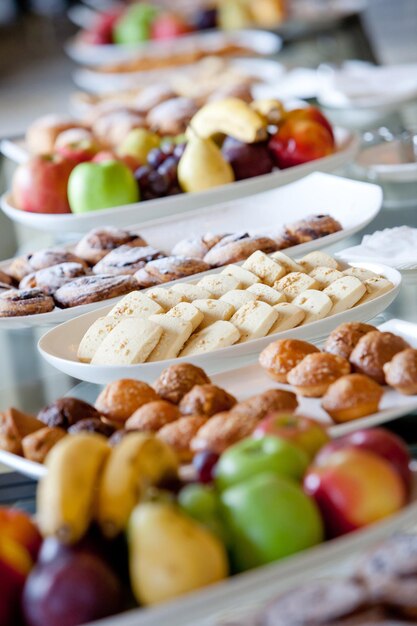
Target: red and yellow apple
[
  {"x": 305, "y": 432},
  {"x": 299, "y": 141},
  {"x": 17, "y": 525},
  {"x": 310, "y": 113},
  {"x": 168, "y": 26},
  {"x": 379, "y": 441},
  {"x": 77, "y": 144},
  {"x": 354, "y": 488},
  {"x": 15, "y": 565},
  {"x": 40, "y": 184}
]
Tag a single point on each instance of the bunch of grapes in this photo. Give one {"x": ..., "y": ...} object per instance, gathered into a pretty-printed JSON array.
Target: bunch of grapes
[{"x": 158, "y": 178}]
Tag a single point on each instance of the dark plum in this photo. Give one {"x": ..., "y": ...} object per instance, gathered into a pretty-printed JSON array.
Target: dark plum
[{"x": 247, "y": 159}]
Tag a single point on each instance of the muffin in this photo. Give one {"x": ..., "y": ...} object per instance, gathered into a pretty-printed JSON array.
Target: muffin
[
  {"x": 401, "y": 372},
  {"x": 283, "y": 355},
  {"x": 351, "y": 397},
  {"x": 316, "y": 372},
  {"x": 206, "y": 400},
  {"x": 180, "y": 433},
  {"x": 374, "y": 350},
  {"x": 344, "y": 338},
  {"x": 153, "y": 416},
  {"x": 92, "y": 425},
  {"x": 65, "y": 412},
  {"x": 121, "y": 398},
  {"x": 223, "y": 430},
  {"x": 37, "y": 445},
  {"x": 177, "y": 380},
  {"x": 14, "y": 427},
  {"x": 258, "y": 406}
]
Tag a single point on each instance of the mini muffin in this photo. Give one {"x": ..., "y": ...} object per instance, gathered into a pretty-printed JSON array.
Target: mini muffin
[
  {"x": 351, "y": 397},
  {"x": 401, "y": 372},
  {"x": 152, "y": 416},
  {"x": 271, "y": 400},
  {"x": 344, "y": 338},
  {"x": 92, "y": 425},
  {"x": 283, "y": 355},
  {"x": 222, "y": 431},
  {"x": 180, "y": 433},
  {"x": 37, "y": 445},
  {"x": 313, "y": 375},
  {"x": 65, "y": 412},
  {"x": 121, "y": 398},
  {"x": 206, "y": 400},
  {"x": 374, "y": 350},
  {"x": 177, "y": 380}
]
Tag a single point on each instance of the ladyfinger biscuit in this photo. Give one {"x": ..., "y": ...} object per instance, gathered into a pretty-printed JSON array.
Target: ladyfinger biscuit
[
  {"x": 245, "y": 277},
  {"x": 267, "y": 294},
  {"x": 219, "y": 335},
  {"x": 97, "y": 332},
  {"x": 317, "y": 259},
  {"x": 345, "y": 293},
  {"x": 135, "y": 304},
  {"x": 238, "y": 297},
  {"x": 130, "y": 342},
  {"x": 190, "y": 291},
  {"x": 289, "y": 316},
  {"x": 175, "y": 332},
  {"x": 219, "y": 284},
  {"x": 315, "y": 304},
  {"x": 295, "y": 283},
  {"x": 213, "y": 310},
  {"x": 187, "y": 312},
  {"x": 268, "y": 270},
  {"x": 254, "y": 319},
  {"x": 325, "y": 275},
  {"x": 166, "y": 298},
  {"x": 286, "y": 261}
]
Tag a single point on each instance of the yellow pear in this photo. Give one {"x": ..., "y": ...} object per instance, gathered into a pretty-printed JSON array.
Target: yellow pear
[
  {"x": 202, "y": 166},
  {"x": 170, "y": 554}
]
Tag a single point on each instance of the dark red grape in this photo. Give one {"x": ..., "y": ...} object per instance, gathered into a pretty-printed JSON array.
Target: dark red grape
[
  {"x": 169, "y": 169},
  {"x": 168, "y": 148},
  {"x": 206, "y": 18},
  {"x": 156, "y": 157},
  {"x": 204, "y": 463},
  {"x": 179, "y": 150},
  {"x": 142, "y": 175},
  {"x": 174, "y": 190},
  {"x": 158, "y": 183}
]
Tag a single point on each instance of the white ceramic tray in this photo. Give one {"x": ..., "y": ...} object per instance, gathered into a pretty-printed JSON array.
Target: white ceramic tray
[
  {"x": 59, "y": 345},
  {"x": 348, "y": 145},
  {"x": 244, "y": 382},
  {"x": 233, "y": 601},
  {"x": 354, "y": 204},
  {"x": 265, "y": 72},
  {"x": 257, "y": 41}
]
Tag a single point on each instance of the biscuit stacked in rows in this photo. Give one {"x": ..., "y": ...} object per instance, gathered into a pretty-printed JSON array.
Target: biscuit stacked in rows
[{"x": 264, "y": 296}]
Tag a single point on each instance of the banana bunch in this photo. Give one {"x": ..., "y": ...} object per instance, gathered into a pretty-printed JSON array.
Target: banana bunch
[
  {"x": 87, "y": 480},
  {"x": 235, "y": 14}
]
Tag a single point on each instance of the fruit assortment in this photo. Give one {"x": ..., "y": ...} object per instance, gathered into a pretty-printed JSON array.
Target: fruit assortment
[
  {"x": 109, "y": 262},
  {"x": 121, "y": 519},
  {"x": 126, "y": 156},
  {"x": 264, "y": 296},
  {"x": 140, "y": 22}
]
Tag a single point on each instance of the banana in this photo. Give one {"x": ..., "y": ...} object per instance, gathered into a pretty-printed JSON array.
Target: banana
[
  {"x": 65, "y": 496},
  {"x": 138, "y": 461},
  {"x": 230, "y": 117},
  {"x": 273, "y": 110}
]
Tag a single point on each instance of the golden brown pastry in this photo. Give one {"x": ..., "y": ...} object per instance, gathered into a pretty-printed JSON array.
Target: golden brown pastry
[
  {"x": 6, "y": 279},
  {"x": 121, "y": 398},
  {"x": 374, "y": 350},
  {"x": 14, "y": 426},
  {"x": 172, "y": 116},
  {"x": 197, "y": 247},
  {"x": 238, "y": 247},
  {"x": 313, "y": 227},
  {"x": 344, "y": 338},
  {"x": 222, "y": 431},
  {"x": 153, "y": 416},
  {"x": 401, "y": 372},
  {"x": 177, "y": 380},
  {"x": 173, "y": 267},
  {"x": 180, "y": 433},
  {"x": 100, "y": 241},
  {"x": 37, "y": 445},
  {"x": 42, "y": 133},
  {"x": 206, "y": 400},
  {"x": 313, "y": 375},
  {"x": 65, "y": 412},
  {"x": 284, "y": 239},
  {"x": 21, "y": 266},
  {"x": 271, "y": 400},
  {"x": 144, "y": 280},
  {"x": 351, "y": 397},
  {"x": 281, "y": 356},
  {"x": 126, "y": 259},
  {"x": 52, "y": 278},
  {"x": 111, "y": 128},
  {"x": 87, "y": 289},
  {"x": 21, "y": 302}
]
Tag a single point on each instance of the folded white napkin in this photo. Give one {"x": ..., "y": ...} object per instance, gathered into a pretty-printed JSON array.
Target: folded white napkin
[{"x": 392, "y": 246}]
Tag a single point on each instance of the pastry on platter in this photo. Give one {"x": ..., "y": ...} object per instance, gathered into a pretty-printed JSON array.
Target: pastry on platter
[
  {"x": 282, "y": 355},
  {"x": 206, "y": 400},
  {"x": 14, "y": 426},
  {"x": 20, "y": 302},
  {"x": 316, "y": 372},
  {"x": 126, "y": 259},
  {"x": 121, "y": 398},
  {"x": 401, "y": 372},
  {"x": 374, "y": 350},
  {"x": 66, "y": 412},
  {"x": 351, "y": 397},
  {"x": 180, "y": 433},
  {"x": 52, "y": 278},
  {"x": 177, "y": 380},
  {"x": 89, "y": 289},
  {"x": 37, "y": 445},
  {"x": 100, "y": 241},
  {"x": 344, "y": 338},
  {"x": 152, "y": 416}
]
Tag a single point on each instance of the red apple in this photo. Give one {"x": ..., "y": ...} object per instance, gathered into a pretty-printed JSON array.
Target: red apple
[
  {"x": 310, "y": 113},
  {"x": 17, "y": 525},
  {"x": 379, "y": 441},
  {"x": 304, "y": 432},
  {"x": 108, "y": 155},
  {"x": 79, "y": 150},
  {"x": 101, "y": 32},
  {"x": 354, "y": 488},
  {"x": 40, "y": 184},
  {"x": 168, "y": 26},
  {"x": 300, "y": 141},
  {"x": 15, "y": 564}
]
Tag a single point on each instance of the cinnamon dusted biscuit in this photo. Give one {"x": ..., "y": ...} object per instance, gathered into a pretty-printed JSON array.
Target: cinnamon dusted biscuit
[
  {"x": 126, "y": 259},
  {"x": 19, "y": 302},
  {"x": 93, "y": 289},
  {"x": 100, "y": 241}
]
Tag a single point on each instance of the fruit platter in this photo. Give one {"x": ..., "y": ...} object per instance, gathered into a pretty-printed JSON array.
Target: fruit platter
[
  {"x": 126, "y": 166},
  {"x": 139, "y": 337},
  {"x": 100, "y": 252}
]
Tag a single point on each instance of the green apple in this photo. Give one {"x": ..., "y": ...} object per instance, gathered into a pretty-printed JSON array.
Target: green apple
[
  {"x": 255, "y": 456},
  {"x": 93, "y": 186},
  {"x": 135, "y": 24},
  {"x": 201, "y": 502},
  {"x": 269, "y": 517},
  {"x": 138, "y": 143}
]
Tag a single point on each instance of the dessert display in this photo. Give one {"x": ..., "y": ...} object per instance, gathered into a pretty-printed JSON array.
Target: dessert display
[
  {"x": 284, "y": 293},
  {"x": 177, "y": 145},
  {"x": 126, "y": 515},
  {"x": 109, "y": 262}
]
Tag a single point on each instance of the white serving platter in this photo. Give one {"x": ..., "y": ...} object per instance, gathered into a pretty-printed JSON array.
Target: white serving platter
[
  {"x": 347, "y": 142},
  {"x": 354, "y": 204},
  {"x": 257, "y": 41},
  {"x": 59, "y": 345}
]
